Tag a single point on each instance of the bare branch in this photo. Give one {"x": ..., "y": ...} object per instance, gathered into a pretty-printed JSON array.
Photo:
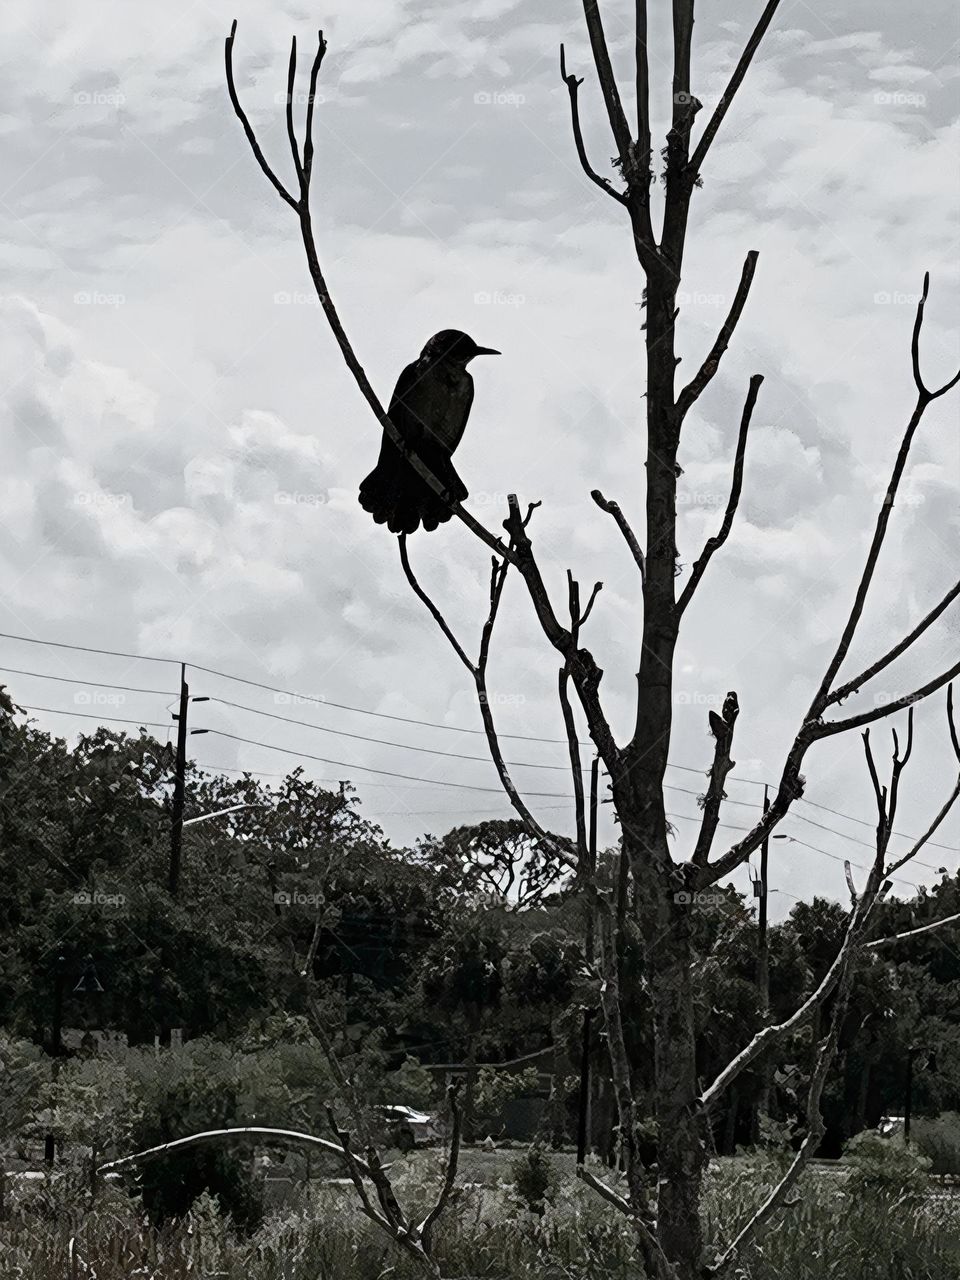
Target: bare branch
[
  {"x": 922, "y": 390},
  {"x": 643, "y": 87},
  {"x": 951, "y": 722},
  {"x": 608, "y": 84},
  {"x": 691, "y": 392},
  {"x": 853, "y": 686},
  {"x": 613, "y": 509},
  {"x": 827, "y": 728},
  {"x": 302, "y": 208},
  {"x": 597, "y": 588},
  {"x": 425, "y": 1230},
  {"x": 721, "y": 726},
  {"x": 576, "y": 768},
  {"x": 851, "y": 887},
  {"x": 767, "y": 1036},
  {"x": 883, "y": 519},
  {"x": 353, "y": 1169},
  {"x": 930, "y": 831},
  {"x": 348, "y": 1093},
  {"x": 291, "y": 131},
  {"x": 583, "y": 668},
  {"x": 247, "y": 128},
  {"x": 211, "y": 1135},
  {"x": 723, "y": 106},
  {"x": 713, "y": 544},
  {"x": 311, "y": 99},
  {"x": 573, "y": 84},
  {"x": 434, "y": 611},
  {"x": 811, "y": 1141},
  {"x": 607, "y": 1193},
  {"x": 913, "y": 933}
]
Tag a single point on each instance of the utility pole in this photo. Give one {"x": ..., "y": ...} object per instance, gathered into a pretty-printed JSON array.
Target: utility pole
[
  {"x": 179, "y": 780},
  {"x": 583, "y": 1111},
  {"x": 908, "y": 1099},
  {"x": 763, "y": 977}
]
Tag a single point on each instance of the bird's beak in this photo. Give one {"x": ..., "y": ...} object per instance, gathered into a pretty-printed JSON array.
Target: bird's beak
[{"x": 486, "y": 351}]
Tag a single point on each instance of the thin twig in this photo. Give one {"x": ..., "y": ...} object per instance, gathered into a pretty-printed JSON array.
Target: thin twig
[
  {"x": 613, "y": 509},
  {"x": 716, "y": 542},
  {"x": 425, "y": 1230},
  {"x": 854, "y": 685},
  {"x": 573, "y": 84},
  {"x": 723, "y": 106},
  {"x": 722, "y": 727},
  {"x": 708, "y": 369}
]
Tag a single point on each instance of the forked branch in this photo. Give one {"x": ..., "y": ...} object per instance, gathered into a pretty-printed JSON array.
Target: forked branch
[
  {"x": 573, "y": 84},
  {"x": 704, "y": 375},
  {"x": 716, "y": 542},
  {"x": 301, "y": 207}
]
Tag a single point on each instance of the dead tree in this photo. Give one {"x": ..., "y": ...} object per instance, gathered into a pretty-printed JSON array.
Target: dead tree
[{"x": 668, "y": 1231}]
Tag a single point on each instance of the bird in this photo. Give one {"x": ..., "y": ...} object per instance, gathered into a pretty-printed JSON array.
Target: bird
[{"x": 429, "y": 408}]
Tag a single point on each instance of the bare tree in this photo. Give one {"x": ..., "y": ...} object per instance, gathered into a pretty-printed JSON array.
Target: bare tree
[{"x": 669, "y": 1232}]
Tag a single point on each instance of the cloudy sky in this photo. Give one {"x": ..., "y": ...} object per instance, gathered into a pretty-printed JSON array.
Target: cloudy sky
[{"x": 182, "y": 445}]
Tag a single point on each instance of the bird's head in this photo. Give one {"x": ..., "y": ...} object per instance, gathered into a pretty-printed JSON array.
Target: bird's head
[{"x": 455, "y": 347}]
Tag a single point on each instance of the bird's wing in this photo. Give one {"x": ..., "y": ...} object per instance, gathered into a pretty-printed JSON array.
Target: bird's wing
[
  {"x": 456, "y": 432},
  {"x": 401, "y": 413}
]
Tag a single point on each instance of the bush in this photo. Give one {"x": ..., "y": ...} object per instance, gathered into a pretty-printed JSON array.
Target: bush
[
  {"x": 938, "y": 1138},
  {"x": 885, "y": 1166},
  {"x": 535, "y": 1179}
]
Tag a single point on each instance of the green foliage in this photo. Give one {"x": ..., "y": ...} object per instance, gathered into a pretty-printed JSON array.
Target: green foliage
[
  {"x": 535, "y": 1178},
  {"x": 496, "y": 1087},
  {"x": 411, "y": 1085},
  {"x": 885, "y": 1166},
  {"x": 938, "y": 1138}
]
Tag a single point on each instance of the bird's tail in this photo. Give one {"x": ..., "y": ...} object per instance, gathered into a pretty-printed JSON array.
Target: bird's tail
[{"x": 397, "y": 497}]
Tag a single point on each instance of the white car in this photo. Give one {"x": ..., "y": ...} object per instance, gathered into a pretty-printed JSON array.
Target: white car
[{"x": 408, "y": 1128}]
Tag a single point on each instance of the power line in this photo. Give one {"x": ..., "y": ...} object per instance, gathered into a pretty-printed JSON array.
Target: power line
[
  {"x": 94, "y": 684},
  {"x": 387, "y": 773},
  {"x": 89, "y": 715},
  {"x": 365, "y": 711},
  {"x": 83, "y": 648},
  {"x": 384, "y": 742},
  {"x": 401, "y": 719}
]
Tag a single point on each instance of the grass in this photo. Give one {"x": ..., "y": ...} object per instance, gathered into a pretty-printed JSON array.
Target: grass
[{"x": 834, "y": 1233}]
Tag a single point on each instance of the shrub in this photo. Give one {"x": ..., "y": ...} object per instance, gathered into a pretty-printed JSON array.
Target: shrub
[
  {"x": 535, "y": 1179},
  {"x": 938, "y": 1138},
  {"x": 885, "y": 1166}
]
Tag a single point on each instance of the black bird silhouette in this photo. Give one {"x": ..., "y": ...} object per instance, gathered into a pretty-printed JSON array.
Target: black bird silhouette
[{"x": 430, "y": 407}]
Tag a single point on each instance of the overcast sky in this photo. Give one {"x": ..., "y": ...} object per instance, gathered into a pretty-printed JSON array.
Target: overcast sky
[{"x": 183, "y": 446}]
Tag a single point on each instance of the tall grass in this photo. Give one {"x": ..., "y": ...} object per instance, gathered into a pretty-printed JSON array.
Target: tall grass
[{"x": 58, "y": 1232}]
